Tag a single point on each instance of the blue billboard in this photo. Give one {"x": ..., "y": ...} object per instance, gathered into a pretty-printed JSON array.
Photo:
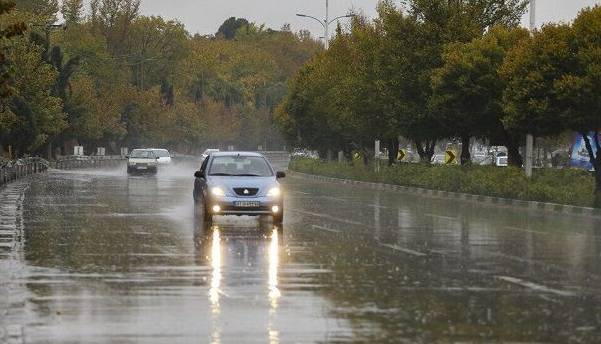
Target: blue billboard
[{"x": 579, "y": 156}]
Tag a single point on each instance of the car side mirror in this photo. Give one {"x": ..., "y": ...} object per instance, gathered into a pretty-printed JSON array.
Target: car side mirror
[
  {"x": 198, "y": 174},
  {"x": 280, "y": 174}
]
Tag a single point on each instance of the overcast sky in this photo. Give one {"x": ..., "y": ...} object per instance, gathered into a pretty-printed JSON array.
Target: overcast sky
[{"x": 205, "y": 16}]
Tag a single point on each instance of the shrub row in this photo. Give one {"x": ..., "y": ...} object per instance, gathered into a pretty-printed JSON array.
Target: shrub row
[{"x": 565, "y": 186}]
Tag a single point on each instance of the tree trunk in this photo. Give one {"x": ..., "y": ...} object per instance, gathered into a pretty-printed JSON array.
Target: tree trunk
[
  {"x": 466, "y": 157},
  {"x": 514, "y": 158},
  {"x": 596, "y": 162},
  {"x": 425, "y": 151},
  {"x": 393, "y": 148}
]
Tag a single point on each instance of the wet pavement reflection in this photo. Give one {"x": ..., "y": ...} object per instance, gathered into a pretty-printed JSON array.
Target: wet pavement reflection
[{"x": 114, "y": 259}]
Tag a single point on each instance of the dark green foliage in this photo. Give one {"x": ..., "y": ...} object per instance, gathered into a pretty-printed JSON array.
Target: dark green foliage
[{"x": 230, "y": 27}]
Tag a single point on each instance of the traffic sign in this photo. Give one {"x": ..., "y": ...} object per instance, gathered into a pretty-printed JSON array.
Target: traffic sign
[
  {"x": 450, "y": 158},
  {"x": 402, "y": 154}
]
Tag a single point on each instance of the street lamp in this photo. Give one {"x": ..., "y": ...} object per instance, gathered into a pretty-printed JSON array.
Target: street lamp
[{"x": 325, "y": 23}]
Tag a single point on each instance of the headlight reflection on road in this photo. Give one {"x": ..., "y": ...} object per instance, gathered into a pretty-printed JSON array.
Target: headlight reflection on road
[
  {"x": 274, "y": 262},
  {"x": 216, "y": 269}
]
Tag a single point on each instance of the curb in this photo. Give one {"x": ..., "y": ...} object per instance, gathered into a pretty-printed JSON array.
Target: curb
[
  {"x": 11, "y": 240},
  {"x": 491, "y": 200}
]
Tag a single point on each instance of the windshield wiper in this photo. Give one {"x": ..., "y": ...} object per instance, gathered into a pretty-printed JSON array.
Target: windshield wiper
[
  {"x": 247, "y": 175},
  {"x": 220, "y": 174}
]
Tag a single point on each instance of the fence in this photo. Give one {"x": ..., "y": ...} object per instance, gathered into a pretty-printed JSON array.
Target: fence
[
  {"x": 13, "y": 170},
  {"x": 80, "y": 162}
]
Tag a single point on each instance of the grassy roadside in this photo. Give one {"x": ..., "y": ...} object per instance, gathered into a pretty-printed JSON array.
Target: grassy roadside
[{"x": 568, "y": 186}]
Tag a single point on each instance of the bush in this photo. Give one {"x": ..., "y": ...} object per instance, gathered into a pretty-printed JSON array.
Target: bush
[{"x": 566, "y": 186}]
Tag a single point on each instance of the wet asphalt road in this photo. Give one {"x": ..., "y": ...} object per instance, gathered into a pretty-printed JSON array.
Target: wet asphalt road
[{"x": 108, "y": 258}]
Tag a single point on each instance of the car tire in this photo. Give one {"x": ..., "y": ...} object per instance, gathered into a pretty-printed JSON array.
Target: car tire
[
  {"x": 207, "y": 217},
  {"x": 278, "y": 218}
]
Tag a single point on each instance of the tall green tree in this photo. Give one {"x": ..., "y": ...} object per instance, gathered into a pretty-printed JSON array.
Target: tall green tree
[
  {"x": 577, "y": 89},
  {"x": 231, "y": 26},
  {"x": 468, "y": 91}
]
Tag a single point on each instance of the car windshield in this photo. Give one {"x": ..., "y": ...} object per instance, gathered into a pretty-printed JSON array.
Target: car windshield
[
  {"x": 251, "y": 166},
  {"x": 161, "y": 153},
  {"x": 142, "y": 154}
]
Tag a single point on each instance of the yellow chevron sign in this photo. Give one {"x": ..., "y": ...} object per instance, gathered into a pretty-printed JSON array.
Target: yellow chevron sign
[
  {"x": 401, "y": 155},
  {"x": 450, "y": 158}
]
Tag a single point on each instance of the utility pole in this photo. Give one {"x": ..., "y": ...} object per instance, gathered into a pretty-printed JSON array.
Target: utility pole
[
  {"x": 325, "y": 23},
  {"x": 529, "y": 137},
  {"x": 327, "y": 26}
]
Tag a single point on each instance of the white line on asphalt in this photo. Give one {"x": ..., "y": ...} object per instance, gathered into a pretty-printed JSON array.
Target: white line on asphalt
[
  {"x": 442, "y": 217},
  {"x": 543, "y": 232},
  {"x": 328, "y": 217},
  {"x": 534, "y": 286},
  {"x": 326, "y": 229},
  {"x": 405, "y": 250}
]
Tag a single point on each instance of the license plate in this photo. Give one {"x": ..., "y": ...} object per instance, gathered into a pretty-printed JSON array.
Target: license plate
[
  {"x": 247, "y": 204},
  {"x": 142, "y": 167}
]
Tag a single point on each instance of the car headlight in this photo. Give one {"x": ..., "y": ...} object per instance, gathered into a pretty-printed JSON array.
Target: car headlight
[
  {"x": 274, "y": 192},
  {"x": 217, "y": 191}
]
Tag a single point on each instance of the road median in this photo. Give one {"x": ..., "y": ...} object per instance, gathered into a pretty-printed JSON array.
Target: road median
[{"x": 542, "y": 193}]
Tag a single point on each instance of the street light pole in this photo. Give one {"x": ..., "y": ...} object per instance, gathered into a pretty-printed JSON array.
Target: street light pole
[
  {"x": 327, "y": 31},
  {"x": 325, "y": 23},
  {"x": 529, "y": 137}
]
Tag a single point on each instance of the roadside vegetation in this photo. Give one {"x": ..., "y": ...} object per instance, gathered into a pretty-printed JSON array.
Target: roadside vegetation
[
  {"x": 111, "y": 77},
  {"x": 568, "y": 186},
  {"x": 432, "y": 70}
]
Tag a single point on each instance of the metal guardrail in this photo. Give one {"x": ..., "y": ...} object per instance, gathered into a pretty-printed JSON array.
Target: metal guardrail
[
  {"x": 81, "y": 162},
  {"x": 13, "y": 170}
]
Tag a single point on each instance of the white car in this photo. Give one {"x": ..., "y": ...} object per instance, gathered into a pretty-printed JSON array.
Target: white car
[
  {"x": 142, "y": 161},
  {"x": 163, "y": 155}
]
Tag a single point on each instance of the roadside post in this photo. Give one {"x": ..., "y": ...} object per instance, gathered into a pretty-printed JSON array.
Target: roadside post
[
  {"x": 377, "y": 156},
  {"x": 78, "y": 150},
  {"x": 340, "y": 156}
]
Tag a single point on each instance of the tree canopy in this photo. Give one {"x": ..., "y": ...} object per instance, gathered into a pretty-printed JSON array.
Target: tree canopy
[{"x": 112, "y": 77}]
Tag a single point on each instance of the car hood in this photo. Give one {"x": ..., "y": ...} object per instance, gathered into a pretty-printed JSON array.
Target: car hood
[{"x": 228, "y": 183}]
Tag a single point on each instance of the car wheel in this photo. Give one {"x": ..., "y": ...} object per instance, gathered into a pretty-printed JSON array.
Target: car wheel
[
  {"x": 278, "y": 218},
  {"x": 206, "y": 214}
]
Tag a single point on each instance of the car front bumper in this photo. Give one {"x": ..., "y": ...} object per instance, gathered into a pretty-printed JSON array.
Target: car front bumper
[{"x": 230, "y": 205}]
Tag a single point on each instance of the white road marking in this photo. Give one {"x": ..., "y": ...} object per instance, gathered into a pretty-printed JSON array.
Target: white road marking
[
  {"x": 442, "y": 217},
  {"x": 328, "y": 217},
  {"x": 535, "y": 287},
  {"x": 405, "y": 250},
  {"x": 326, "y": 229}
]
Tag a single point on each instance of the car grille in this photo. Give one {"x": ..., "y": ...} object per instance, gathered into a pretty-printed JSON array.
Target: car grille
[{"x": 246, "y": 191}]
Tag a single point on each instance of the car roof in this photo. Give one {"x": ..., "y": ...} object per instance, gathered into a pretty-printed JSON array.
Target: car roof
[
  {"x": 237, "y": 153},
  {"x": 157, "y": 149}
]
